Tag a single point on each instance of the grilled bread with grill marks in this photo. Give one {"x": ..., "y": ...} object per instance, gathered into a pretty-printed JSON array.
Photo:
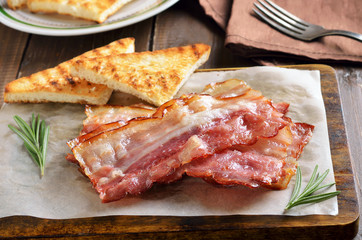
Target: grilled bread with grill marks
[
  {"x": 57, "y": 85},
  {"x": 152, "y": 76}
]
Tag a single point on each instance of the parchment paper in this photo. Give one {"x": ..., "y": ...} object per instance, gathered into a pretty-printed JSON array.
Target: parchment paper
[{"x": 64, "y": 192}]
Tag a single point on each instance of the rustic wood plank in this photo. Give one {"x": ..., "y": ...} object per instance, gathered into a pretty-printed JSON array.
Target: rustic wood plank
[
  {"x": 350, "y": 85},
  {"x": 12, "y": 44},
  {"x": 186, "y": 23},
  {"x": 44, "y": 52}
]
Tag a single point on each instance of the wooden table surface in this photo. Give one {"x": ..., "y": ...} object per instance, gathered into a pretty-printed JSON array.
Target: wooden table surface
[{"x": 22, "y": 54}]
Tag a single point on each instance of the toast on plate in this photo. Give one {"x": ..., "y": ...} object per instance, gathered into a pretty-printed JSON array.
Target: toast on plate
[
  {"x": 57, "y": 85},
  {"x": 93, "y": 10},
  {"x": 152, "y": 76},
  {"x": 15, "y": 4}
]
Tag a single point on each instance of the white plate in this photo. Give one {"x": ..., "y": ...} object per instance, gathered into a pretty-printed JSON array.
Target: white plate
[{"x": 59, "y": 25}]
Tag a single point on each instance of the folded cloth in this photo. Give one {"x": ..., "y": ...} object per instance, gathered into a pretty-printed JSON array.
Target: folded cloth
[{"x": 248, "y": 36}]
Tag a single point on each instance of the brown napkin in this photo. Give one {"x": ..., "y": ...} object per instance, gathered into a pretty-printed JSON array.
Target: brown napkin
[{"x": 250, "y": 37}]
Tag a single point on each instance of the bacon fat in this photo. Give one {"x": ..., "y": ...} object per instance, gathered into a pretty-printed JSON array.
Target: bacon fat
[{"x": 230, "y": 135}]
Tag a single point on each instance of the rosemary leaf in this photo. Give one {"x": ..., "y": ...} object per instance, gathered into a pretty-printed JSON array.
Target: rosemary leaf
[
  {"x": 297, "y": 185},
  {"x": 313, "y": 177},
  {"x": 35, "y": 137},
  {"x": 34, "y": 156},
  {"x": 33, "y": 122},
  {"x": 24, "y": 127},
  {"x": 44, "y": 146},
  {"x": 311, "y": 187},
  {"x": 25, "y": 138},
  {"x": 325, "y": 186},
  {"x": 315, "y": 198}
]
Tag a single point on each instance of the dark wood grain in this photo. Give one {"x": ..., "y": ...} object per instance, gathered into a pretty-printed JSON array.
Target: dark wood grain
[
  {"x": 12, "y": 45},
  {"x": 350, "y": 84}
]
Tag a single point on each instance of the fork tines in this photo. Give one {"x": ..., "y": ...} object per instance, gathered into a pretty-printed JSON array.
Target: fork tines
[{"x": 279, "y": 18}]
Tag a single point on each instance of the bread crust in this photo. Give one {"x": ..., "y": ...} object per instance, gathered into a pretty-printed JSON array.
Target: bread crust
[
  {"x": 152, "y": 76},
  {"x": 93, "y": 10},
  {"x": 15, "y": 4},
  {"x": 58, "y": 85}
]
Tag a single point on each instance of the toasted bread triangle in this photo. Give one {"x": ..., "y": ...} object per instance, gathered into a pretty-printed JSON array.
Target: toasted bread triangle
[
  {"x": 57, "y": 85},
  {"x": 93, "y": 10},
  {"x": 14, "y": 4},
  {"x": 152, "y": 76}
]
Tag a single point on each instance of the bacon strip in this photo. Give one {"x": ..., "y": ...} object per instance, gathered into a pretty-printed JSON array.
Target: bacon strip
[
  {"x": 302, "y": 133},
  {"x": 231, "y": 138},
  {"x": 127, "y": 160},
  {"x": 107, "y": 117},
  {"x": 271, "y": 162},
  {"x": 236, "y": 87},
  {"x": 255, "y": 165},
  {"x": 100, "y": 115}
]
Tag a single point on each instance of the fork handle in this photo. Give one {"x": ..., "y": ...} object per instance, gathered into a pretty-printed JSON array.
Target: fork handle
[{"x": 349, "y": 34}]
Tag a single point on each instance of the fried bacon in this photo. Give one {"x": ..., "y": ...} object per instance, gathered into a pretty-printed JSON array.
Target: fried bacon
[
  {"x": 230, "y": 135},
  {"x": 236, "y": 87},
  {"x": 270, "y": 162},
  {"x": 100, "y": 115},
  {"x": 106, "y": 117},
  {"x": 249, "y": 165},
  {"x": 129, "y": 159}
]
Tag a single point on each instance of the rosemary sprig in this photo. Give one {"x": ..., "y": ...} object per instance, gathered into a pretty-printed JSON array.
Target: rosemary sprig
[
  {"x": 35, "y": 137},
  {"x": 312, "y": 186}
]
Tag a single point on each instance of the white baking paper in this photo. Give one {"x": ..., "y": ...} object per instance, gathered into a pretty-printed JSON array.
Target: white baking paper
[{"x": 65, "y": 193}]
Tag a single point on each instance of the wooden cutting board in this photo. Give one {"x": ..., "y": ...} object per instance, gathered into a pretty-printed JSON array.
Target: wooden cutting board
[{"x": 342, "y": 226}]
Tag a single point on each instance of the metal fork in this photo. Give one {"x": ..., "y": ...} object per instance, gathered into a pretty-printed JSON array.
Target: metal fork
[{"x": 295, "y": 27}]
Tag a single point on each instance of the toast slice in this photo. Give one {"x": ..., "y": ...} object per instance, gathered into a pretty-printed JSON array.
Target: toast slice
[
  {"x": 152, "y": 76},
  {"x": 15, "y": 4},
  {"x": 57, "y": 85},
  {"x": 94, "y": 10}
]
